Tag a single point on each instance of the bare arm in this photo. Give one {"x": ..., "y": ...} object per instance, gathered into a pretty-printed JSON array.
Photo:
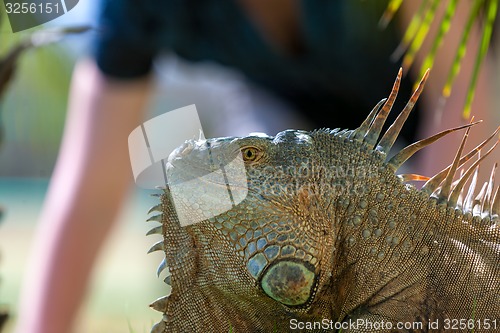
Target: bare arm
[{"x": 91, "y": 179}]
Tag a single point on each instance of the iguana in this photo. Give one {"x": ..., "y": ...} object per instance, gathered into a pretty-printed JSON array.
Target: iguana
[{"x": 322, "y": 235}]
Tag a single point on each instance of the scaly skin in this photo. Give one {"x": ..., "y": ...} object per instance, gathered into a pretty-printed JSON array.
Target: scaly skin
[{"x": 326, "y": 231}]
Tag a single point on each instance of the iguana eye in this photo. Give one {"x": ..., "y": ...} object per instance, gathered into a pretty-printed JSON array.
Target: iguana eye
[{"x": 251, "y": 154}]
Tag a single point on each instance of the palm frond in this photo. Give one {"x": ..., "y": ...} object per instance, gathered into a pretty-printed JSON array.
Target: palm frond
[{"x": 418, "y": 29}]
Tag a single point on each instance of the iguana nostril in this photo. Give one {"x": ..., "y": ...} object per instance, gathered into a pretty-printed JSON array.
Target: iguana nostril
[
  {"x": 288, "y": 282},
  {"x": 186, "y": 148}
]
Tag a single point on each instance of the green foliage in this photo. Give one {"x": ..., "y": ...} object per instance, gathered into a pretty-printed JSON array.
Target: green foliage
[
  {"x": 418, "y": 30},
  {"x": 491, "y": 12},
  {"x": 34, "y": 81},
  {"x": 473, "y": 316}
]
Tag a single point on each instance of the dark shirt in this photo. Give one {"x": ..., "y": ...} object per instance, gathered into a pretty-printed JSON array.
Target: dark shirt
[{"x": 343, "y": 69}]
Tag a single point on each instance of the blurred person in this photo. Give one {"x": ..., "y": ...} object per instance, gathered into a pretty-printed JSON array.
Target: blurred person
[{"x": 327, "y": 59}]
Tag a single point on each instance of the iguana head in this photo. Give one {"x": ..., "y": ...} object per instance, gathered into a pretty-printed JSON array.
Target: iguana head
[
  {"x": 259, "y": 222},
  {"x": 254, "y": 191}
]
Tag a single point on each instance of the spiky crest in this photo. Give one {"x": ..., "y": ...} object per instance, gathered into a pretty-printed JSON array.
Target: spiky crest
[{"x": 485, "y": 204}]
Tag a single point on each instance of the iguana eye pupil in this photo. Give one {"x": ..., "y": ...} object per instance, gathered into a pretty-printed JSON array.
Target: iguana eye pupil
[{"x": 250, "y": 154}]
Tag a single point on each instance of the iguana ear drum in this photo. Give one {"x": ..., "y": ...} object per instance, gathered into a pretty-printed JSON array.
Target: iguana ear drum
[{"x": 289, "y": 282}]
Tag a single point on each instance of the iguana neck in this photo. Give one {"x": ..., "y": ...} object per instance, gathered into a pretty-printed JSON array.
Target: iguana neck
[
  {"x": 381, "y": 224},
  {"x": 391, "y": 236}
]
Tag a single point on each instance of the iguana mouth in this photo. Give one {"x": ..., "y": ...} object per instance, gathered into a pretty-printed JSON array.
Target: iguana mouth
[{"x": 289, "y": 282}]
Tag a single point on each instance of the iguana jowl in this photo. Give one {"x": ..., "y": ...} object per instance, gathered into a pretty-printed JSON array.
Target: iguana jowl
[{"x": 327, "y": 230}]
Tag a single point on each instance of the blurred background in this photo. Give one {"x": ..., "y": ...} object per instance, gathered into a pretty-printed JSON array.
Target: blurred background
[{"x": 32, "y": 115}]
